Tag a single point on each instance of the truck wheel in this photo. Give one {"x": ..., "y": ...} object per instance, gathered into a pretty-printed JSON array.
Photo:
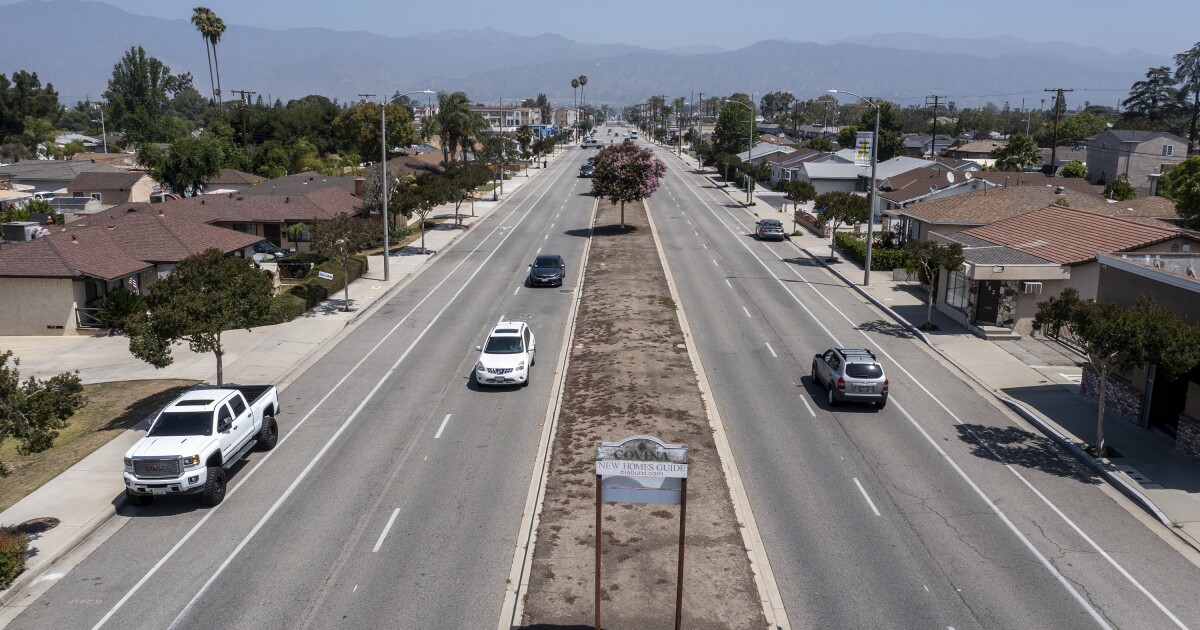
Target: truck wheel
[
  {"x": 214, "y": 487},
  {"x": 139, "y": 499},
  {"x": 268, "y": 436}
]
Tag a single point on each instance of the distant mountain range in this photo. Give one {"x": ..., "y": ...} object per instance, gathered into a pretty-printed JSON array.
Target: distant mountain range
[{"x": 75, "y": 44}]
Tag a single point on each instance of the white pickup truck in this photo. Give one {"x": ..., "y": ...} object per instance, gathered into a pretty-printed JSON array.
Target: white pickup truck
[{"x": 197, "y": 438}]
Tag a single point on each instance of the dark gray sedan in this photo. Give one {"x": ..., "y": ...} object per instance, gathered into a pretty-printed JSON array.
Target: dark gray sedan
[{"x": 547, "y": 270}]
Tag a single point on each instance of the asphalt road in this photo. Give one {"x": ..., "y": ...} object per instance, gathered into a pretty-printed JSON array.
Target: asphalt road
[
  {"x": 935, "y": 512},
  {"x": 395, "y": 497}
]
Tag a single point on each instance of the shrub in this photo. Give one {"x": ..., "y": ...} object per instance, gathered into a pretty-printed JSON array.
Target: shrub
[
  {"x": 315, "y": 290},
  {"x": 882, "y": 258},
  {"x": 13, "y": 548},
  {"x": 285, "y": 307}
]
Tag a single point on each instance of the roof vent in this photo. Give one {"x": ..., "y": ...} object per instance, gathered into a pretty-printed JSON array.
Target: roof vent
[
  {"x": 1060, "y": 190},
  {"x": 272, "y": 189},
  {"x": 231, "y": 195},
  {"x": 240, "y": 198},
  {"x": 287, "y": 200},
  {"x": 74, "y": 240}
]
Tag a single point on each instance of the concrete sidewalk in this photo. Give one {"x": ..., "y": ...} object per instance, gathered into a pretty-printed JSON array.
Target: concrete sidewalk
[
  {"x": 1037, "y": 379},
  {"x": 92, "y": 491}
]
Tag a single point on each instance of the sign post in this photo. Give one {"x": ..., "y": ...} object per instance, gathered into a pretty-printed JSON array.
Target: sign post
[{"x": 642, "y": 469}]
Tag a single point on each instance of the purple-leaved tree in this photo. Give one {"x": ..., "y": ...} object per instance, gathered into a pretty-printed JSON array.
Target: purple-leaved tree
[{"x": 626, "y": 172}]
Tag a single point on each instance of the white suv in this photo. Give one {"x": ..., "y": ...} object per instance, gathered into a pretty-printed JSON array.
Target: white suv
[{"x": 507, "y": 356}]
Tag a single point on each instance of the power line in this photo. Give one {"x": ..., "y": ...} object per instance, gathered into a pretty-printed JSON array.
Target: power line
[
  {"x": 1060, "y": 103},
  {"x": 244, "y": 94}
]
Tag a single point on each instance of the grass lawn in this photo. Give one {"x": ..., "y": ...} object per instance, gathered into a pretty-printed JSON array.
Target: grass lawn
[{"x": 110, "y": 409}]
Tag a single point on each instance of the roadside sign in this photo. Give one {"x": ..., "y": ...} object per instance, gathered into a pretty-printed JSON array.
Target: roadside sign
[
  {"x": 862, "y": 148},
  {"x": 641, "y": 469},
  {"x": 324, "y": 275}
]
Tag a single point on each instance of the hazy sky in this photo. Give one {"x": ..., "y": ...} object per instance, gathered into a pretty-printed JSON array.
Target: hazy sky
[{"x": 1164, "y": 27}]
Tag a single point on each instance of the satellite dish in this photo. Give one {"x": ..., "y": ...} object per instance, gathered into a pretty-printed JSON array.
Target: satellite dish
[
  {"x": 950, "y": 176},
  {"x": 969, "y": 176}
]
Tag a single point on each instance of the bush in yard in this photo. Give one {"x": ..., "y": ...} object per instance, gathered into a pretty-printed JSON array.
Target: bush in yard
[
  {"x": 13, "y": 548},
  {"x": 882, "y": 258}
]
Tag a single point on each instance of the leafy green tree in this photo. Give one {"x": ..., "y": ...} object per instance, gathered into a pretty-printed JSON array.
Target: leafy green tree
[
  {"x": 137, "y": 96},
  {"x": 848, "y": 135},
  {"x": 205, "y": 295},
  {"x": 891, "y": 131},
  {"x": 1120, "y": 189},
  {"x": 38, "y": 206},
  {"x": 1182, "y": 185},
  {"x": 37, "y": 131},
  {"x": 524, "y": 137},
  {"x": 841, "y": 208},
  {"x": 120, "y": 306},
  {"x": 357, "y": 128},
  {"x": 1020, "y": 153},
  {"x": 1187, "y": 73},
  {"x": 33, "y": 411},
  {"x": 1074, "y": 168},
  {"x": 819, "y": 144},
  {"x": 186, "y": 166},
  {"x": 400, "y": 200},
  {"x": 1153, "y": 99},
  {"x": 339, "y": 239},
  {"x": 24, "y": 97},
  {"x": 72, "y": 148},
  {"x": 927, "y": 259},
  {"x": 799, "y": 191},
  {"x": 775, "y": 104},
  {"x": 734, "y": 129},
  {"x": 465, "y": 177},
  {"x": 1080, "y": 127},
  {"x": 431, "y": 190},
  {"x": 626, "y": 172}
]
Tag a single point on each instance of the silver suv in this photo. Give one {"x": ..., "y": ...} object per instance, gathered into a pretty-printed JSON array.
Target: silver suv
[{"x": 851, "y": 374}]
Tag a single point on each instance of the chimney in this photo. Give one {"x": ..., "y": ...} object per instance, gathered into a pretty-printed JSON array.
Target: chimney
[
  {"x": 287, "y": 200},
  {"x": 1006, "y": 181},
  {"x": 272, "y": 189},
  {"x": 231, "y": 195},
  {"x": 359, "y": 183}
]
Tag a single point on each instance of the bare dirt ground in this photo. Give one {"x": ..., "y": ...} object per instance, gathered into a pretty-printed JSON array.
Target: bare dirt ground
[{"x": 630, "y": 374}]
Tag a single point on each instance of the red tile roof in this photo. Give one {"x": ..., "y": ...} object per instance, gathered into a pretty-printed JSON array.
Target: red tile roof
[{"x": 1068, "y": 236}]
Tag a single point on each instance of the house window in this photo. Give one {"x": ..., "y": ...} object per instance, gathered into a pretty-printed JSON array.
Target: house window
[
  {"x": 957, "y": 287},
  {"x": 246, "y": 228},
  {"x": 1168, "y": 149},
  {"x": 96, "y": 196}
]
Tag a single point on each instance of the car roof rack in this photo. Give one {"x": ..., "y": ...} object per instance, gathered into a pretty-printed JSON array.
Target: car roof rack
[{"x": 856, "y": 352}]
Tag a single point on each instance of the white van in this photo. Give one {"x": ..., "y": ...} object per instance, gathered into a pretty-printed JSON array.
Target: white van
[{"x": 633, "y": 134}]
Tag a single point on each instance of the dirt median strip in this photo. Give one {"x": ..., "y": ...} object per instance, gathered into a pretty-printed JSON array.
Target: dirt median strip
[{"x": 630, "y": 374}]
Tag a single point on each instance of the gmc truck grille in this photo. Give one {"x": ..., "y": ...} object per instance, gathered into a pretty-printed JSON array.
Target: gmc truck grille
[{"x": 157, "y": 468}]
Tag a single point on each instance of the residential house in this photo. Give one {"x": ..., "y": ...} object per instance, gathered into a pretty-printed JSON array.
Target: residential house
[
  {"x": 51, "y": 175},
  {"x": 786, "y": 166},
  {"x": 14, "y": 195},
  {"x": 231, "y": 180},
  {"x": 54, "y": 285},
  {"x": 113, "y": 188},
  {"x": 1138, "y": 155},
  {"x": 1012, "y": 264},
  {"x": 116, "y": 159},
  {"x": 838, "y": 172},
  {"x": 1065, "y": 155},
  {"x": 763, "y": 149},
  {"x": 509, "y": 118},
  {"x": 302, "y": 184},
  {"x": 924, "y": 144},
  {"x": 925, "y": 184},
  {"x": 564, "y": 117},
  {"x": 819, "y": 131},
  {"x": 1143, "y": 396},
  {"x": 417, "y": 163},
  {"x": 978, "y": 151}
]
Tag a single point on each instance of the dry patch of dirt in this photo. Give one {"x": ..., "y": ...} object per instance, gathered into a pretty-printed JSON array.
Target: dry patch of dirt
[{"x": 630, "y": 374}]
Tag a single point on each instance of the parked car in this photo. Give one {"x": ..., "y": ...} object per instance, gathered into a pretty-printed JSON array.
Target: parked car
[
  {"x": 547, "y": 269},
  {"x": 267, "y": 251},
  {"x": 196, "y": 438},
  {"x": 768, "y": 228},
  {"x": 586, "y": 170},
  {"x": 507, "y": 355},
  {"x": 851, "y": 374}
]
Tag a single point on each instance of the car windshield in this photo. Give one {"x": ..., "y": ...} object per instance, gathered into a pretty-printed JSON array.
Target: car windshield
[
  {"x": 176, "y": 423},
  {"x": 771, "y": 224},
  {"x": 546, "y": 263},
  {"x": 503, "y": 345},
  {"x": 863, "y": 370}
]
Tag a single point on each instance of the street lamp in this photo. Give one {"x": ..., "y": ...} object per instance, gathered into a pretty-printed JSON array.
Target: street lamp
[
  {"x": 103, "y": 130},
  {"x": 750, "y": 153},
  {"x": 383, "y": 175},
  {"x": 874, "y": 160}
]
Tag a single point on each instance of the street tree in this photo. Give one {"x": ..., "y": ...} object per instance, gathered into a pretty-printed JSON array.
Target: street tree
[
  {"x": 1187, "y": 73},
  {"x": 734, "y": 130},
  {"x": 339, "y": 239},
  {"x": 357, "y": 128},
  {"x": 465, "y": 177},
  {"x": 458, "y": 126},
  {"x": 137, "y": 96},
  {"x": 1182, "y": 185},
  {"x": 626, "y": 172},
  {"x": 928, "y": 259},
  {"x": 186, "y": 166},
  {"x": 848, "y": 134},
  {"x": 1020, "y": 153},
  {"x": 799, "y": 191},
  {"x": 841, "y": 208},
  {"x": 205, "y": 295},
  {"x": 1074, "y": 168},
  {"x": 524, "y": 137},
  {"x": 400, "y": 200},
  {"x": 33, "y": 411},
  {"x": 819, "y": 144},
  {"x": 1120, "y": 189}
]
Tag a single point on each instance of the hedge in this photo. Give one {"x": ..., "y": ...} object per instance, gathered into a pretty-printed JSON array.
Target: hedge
[
  {"x": 299, "y": 298},
  {"x": 882, "y": 258},
  {"x": 13, "y": 548}
]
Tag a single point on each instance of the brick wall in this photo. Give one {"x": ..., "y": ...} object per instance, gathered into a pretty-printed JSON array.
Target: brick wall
[
  {"x": 1187, "y": 440},
  {"x": 1120, "y": 397}
]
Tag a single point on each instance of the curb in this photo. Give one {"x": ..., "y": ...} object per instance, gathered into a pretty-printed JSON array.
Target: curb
[{"x": 1122, "y": 486}]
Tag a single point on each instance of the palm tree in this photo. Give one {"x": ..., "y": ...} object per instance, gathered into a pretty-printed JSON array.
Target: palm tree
[
  {"x": 575, "y": 93},
  {"x": 582, "y": 82},
  {"x": 1187, "y": 72},
  {"x": 457, "y": 125},
  {"x": 201, "y": 19},
  {"x": 215, "y": 30}
]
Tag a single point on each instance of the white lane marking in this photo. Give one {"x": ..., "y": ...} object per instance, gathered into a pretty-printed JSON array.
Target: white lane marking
[
  {"x": 538, "y": 251},
  {"x": 746, "y": 311},
  {"x": 387, "y": 528},
  {"x": 1004, "y": 518},
  {"x": 355, "y": 589},
  {"x": 727, "y": 282},
  {"x": 250, "y": 474},
  {"x": 551, "y": 225},
  {"x": 772, "y": 351},
  {"x": 695, "y": 232},
  {"x": 515, "y": 290},
  {"x": 545, "y": 237},
  {"x": 715, "y": 262},
  {"x": 705, "y": 245},
  {"x": 807, "y": 406},
  {"x": 442, "y": 428},
  {"x": 866, "y": 496}
]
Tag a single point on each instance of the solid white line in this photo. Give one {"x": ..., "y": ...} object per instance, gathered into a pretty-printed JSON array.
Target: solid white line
[
  {"x": 387, "y": 528},
  {"x": 804, "y": 400},
  {"x": 345, "y": 424},
  {"x": 442, "y": 428},
  {"x": 865, "y": 496},
  {"x": 747, "y": 311},
  {"x": 772, "y": 351}
]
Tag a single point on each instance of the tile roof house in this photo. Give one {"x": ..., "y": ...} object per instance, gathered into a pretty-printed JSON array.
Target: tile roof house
[
  {"x": 762, "y": 150},
  {"x": 113, "y": 188},
  {"x": 50, "y": 175},
  {"x": 232, "y": 180},
  {"x": 300, "y": 184},
  {"x": 417, "y": 163},
  {"x": 978, "y": 151},
  {"x": 923, "y": 144},
  {"x": 1141, "y": 156},
  {"x": 63, "y": 278},
  {"x": 1012, "y": 264}
]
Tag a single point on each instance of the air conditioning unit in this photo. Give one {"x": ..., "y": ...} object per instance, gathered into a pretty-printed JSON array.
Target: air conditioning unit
[{"x": 1034, "y": 288}]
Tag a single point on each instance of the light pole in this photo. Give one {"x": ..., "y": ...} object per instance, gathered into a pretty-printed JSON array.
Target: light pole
[
  {"x": 383, "y": 175},
  {"x": 750, "y": 152},
  {"x": 103, "y": 131},
  {"x": 873, "y": 191}
]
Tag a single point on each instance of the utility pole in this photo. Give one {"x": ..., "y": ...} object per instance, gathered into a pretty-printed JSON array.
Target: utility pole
[
  {"x": 1059, "y": 103},
  {"x": 244, "y": 94},
  {"x": 935, "y": 104}
]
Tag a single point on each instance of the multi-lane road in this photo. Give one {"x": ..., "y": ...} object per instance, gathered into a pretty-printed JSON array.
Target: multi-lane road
[{"x": 395, "y": 498}]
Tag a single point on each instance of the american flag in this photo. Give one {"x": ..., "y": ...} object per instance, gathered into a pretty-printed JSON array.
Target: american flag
[{"x": 133, "y": 285}]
